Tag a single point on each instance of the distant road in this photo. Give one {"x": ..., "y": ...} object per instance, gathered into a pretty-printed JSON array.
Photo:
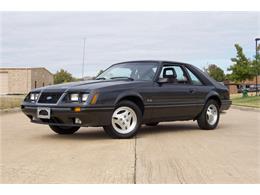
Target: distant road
[{"x": 176, "y": 152}]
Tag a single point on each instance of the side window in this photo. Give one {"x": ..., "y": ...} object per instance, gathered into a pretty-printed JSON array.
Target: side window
[
  {"x": 174, "y": 74},
  {"x": 194, "y": 79}
]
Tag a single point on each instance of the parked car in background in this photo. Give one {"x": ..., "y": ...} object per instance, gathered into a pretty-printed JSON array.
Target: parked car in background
[
  {"x": 248, "y": 88},
  {"x": 130, "y": 94},
  {"x": 253, "y": 88},
  {"x": 242, "y": 88}
]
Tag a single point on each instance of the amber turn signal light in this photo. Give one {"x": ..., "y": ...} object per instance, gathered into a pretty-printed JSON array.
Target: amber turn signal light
[
  {"x": 77, "y": 109},
  {"x": 94, "y": 99}
]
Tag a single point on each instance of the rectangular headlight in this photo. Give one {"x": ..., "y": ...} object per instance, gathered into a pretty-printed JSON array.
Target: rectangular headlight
[
  {"x": 74, "y": 97},
  {"x": 84, "y": 97},
  {"x": 34, "y": 96}
]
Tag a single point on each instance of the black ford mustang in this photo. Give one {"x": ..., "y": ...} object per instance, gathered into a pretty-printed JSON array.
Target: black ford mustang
[{"x": 127, "y": 95}]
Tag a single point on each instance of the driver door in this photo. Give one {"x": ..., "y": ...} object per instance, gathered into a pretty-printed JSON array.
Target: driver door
[{"x": 174, "y": 99}]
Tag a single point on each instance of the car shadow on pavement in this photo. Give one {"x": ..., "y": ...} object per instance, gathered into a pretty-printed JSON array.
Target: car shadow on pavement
[
  {"x": 166, "y": 128},
  {"x": 98, "y": 134},
  {"x": 83, "y": 134}
]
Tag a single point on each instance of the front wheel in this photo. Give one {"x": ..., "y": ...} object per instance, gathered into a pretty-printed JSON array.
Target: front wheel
[
  {"x": 125, "y": 120},
  {"x": 64, "y": 129},
  {"x": 209, "y": 117}
]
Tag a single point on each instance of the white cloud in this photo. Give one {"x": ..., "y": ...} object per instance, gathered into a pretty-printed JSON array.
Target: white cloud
[{"x": 55, "y": 39}]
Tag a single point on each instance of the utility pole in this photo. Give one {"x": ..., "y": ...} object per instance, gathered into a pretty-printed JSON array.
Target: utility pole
[
  {"x": 256, "y": 52},
  {"x": 27, "y": 90},
  {"x": 83, "y": 60}
]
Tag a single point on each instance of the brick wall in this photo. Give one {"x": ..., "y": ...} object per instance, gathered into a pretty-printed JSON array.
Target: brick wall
[
  {"x": 22, "y": 80},
  {"x": 40, "y": 78},
  {"x": 19, "y": 81}
]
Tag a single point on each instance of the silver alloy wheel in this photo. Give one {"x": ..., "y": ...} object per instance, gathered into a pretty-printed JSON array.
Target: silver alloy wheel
[
  {"x": 212, "y": 114},
  {"x": 124, "y": 120}
]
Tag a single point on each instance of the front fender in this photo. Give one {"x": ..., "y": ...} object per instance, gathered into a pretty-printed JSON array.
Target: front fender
[{"x": 128, "y": 94}]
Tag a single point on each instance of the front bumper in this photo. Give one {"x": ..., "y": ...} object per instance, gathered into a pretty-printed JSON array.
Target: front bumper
[
  {"x": 61, "y": 116},
  {"x": 225, "y": 104}
]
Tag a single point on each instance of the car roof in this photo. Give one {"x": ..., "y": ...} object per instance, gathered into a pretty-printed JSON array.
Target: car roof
[{"x": 155, "y": 61}]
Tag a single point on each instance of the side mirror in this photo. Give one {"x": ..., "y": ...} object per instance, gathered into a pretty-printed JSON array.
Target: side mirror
[{"x": 162, "y": 80}]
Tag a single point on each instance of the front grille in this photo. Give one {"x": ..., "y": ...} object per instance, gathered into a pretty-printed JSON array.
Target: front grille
[{"x": 49, "y": 98}]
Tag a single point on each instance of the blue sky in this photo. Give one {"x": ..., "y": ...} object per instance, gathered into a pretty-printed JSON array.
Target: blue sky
[{"x": 55, "y": 39}]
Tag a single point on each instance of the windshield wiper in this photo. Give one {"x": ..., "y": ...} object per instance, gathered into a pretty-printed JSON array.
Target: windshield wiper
[
  {"x": 101, "y": 78},
  {"x": 129, "y": 78}
]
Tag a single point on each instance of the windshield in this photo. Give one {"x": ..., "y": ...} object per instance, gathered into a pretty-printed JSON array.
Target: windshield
[{"x": 131, "y": 70}]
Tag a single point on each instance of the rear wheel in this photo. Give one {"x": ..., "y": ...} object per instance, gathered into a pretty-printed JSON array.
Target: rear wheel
[
  {"x": 209, "y": 117},
  {"x": 64, "y": 129},
  {"x": 152, "y": 124},
  {"x": 125, "y": 120}
]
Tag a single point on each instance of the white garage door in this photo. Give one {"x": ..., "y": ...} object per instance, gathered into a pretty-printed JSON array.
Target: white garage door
[{"x": 3, "y": 82}]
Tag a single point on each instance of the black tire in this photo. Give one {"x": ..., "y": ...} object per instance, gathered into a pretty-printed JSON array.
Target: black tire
[
  {"x": 202, "y": 119},
  {"x": 152, "y": 124},
  {"x": 64, "y": 129},
  {"x": 114, "y": 133}
]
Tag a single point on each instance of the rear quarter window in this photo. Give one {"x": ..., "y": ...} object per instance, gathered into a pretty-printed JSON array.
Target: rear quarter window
[{"x": 194, "y": 79}]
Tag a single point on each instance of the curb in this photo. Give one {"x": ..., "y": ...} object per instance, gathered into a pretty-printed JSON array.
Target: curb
[
  {"x": 10, "y": 110},
  {"x": 244, "y": 108}
]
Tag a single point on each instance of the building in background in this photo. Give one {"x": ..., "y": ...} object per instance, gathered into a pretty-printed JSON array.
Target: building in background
[
  {"x": 250, "y": 85},
  {"x": 22, "y": 80}
]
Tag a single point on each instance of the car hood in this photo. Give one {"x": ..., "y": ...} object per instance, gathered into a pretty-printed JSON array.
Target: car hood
[{"x": 87, "y": 85}]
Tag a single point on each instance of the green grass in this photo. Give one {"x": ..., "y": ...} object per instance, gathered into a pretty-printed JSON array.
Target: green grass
[
  {"x": 250, "y": 101},
  {"x": 10, "y": 101}
]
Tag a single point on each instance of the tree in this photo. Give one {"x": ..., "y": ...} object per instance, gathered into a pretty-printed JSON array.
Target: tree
[
  {"x": 256, "y": 63},
  {"x": 215, "y": 72},
  {"x": 62, "y": 76},
  {"x": 241, "y": 69}
]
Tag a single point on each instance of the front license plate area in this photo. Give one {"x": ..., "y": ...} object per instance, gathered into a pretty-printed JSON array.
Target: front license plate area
[{"x": 43, "y": 112}]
